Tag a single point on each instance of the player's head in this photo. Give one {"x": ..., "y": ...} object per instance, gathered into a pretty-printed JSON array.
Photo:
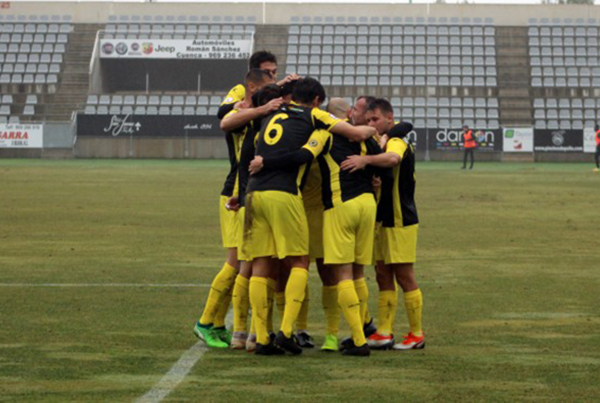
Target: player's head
[
  {"x": 597, "y": 127},
  {"x": 256, "y": 79},
  {"x": 308, "y": 92},
  {"x": 287, "y": 90},
  {"x": 465, "y": 128},
  {"x": 265, "y": 61},
  {"x": 380, "y": 115},
  {"x": 266, "y": 94},
  {"x": 339, "y": 108},
  {"x": 358, "y": 114}
]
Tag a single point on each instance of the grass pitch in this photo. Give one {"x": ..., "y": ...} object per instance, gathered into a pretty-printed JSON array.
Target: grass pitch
[{"x": 509, "y": 265}]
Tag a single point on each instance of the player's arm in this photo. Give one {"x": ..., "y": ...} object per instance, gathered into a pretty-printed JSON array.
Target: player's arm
[
  {"x": 289, "y": 78},
  {"x": 326, "y": 121},
  {"x": 314, "y": 147},
  {"x": 392, "y": 157},
  {"x": 243, "y": 116},
  {"x": 235, "y": 95},
  {"x": 354, "y": 133}
]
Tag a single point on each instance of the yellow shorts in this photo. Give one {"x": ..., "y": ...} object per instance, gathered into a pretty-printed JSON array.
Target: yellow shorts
[
  {"x": 242, "y": 234},
  {"x": 229, "y": 224},
  {"x": 349, "y": 230},
  {"x": 314, "y": 217},
  {"x": 397, "y": 244},
  {"x": 278, "y": 226}
]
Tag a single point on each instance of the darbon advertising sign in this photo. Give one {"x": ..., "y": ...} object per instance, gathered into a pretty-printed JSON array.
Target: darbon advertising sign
[
  {"x": 558, "y": 141},
  {"x": 175, "y": 48},
  {"x": 147, "y": 126},
  {"x": 518, "y": 140},
  {"x": 21, "y": 135},
  {"x": 445, "y": 139}
]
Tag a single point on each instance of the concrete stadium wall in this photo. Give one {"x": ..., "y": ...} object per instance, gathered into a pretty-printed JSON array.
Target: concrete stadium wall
[{"x": 280, "y": 13}]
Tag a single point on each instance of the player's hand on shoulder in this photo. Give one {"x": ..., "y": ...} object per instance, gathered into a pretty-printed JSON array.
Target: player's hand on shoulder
[
  {"x": 273, "y": 105},
  {"x": 256, "y": 165},
  {"x": 353, "y": 163}
]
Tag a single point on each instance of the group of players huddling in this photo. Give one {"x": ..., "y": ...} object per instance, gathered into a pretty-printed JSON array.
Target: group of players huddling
[{"x": 335, "y": 187}]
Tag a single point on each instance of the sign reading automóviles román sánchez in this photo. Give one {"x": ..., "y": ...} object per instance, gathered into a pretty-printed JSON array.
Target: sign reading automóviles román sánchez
[{"x": 175, "y": 48}]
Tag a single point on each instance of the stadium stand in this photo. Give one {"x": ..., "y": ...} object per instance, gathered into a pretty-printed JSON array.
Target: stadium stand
[
  {"x": 398, "y": 54},
  {"x": 564, "y": 67},
  {"x": 32, "y": 60}
]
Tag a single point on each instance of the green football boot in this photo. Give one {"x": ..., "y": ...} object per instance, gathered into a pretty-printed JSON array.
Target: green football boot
[
  {"x": 331, "y": 343},
  {"x": 208, "y": 336},
  {"x": 222, "y": 334}
]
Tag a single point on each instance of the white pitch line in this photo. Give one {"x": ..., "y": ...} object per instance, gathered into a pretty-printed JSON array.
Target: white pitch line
[
  {"x": 179, "y": 371},
  {"x": 101, "y": 285},
  {"x": 175, "y": 375}
]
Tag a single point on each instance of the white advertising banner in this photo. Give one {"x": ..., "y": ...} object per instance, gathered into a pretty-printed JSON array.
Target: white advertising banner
[
  {"x": 21, "y": 135},
  {"x": 589, "y": 140},
  {"x": 518, "y": 140},
  {"x": 175, "y": 48}
]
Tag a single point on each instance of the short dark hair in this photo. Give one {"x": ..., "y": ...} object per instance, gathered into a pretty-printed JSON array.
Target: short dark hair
[
  {"x": 597, "y": 127},
  {"x": 266, "y": 94},
  {"x": 382, "y": 104},
  {"x": 261, "y": 57},
  {"x": 465, "y": 126},
  {"x": 257, "y": 76},
  {"x": 307, "y": 89},
  {"x": 368, "y": 99}
]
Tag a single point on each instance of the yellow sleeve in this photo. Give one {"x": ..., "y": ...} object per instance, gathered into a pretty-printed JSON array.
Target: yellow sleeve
[
  {"x": 317, "y": 142},
  {"x": 396, "y": 146},
  {"x": 236, "y": 94},
  {"x": 324, "y": 120}
]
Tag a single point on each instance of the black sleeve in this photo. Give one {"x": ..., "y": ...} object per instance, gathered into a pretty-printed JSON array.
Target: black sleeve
[
  {"x": 289, "y": 160},
  {"x": 224, "y": 110},
  {"x": 373, "y": 148}
]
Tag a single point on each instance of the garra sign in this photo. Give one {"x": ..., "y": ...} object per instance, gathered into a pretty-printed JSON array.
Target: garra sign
[{"x": 21, "y": 135}]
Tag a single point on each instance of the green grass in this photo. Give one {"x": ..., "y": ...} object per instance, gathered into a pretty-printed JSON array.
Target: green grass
[{"x": 509, "y": 264}]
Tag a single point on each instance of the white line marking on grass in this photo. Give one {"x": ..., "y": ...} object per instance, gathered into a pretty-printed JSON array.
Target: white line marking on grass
[
  {"x": 175, "y": 375},
  {"x": 101, "y": 285}
]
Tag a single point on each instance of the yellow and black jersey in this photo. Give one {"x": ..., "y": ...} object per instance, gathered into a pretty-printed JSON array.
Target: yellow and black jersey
[
  {"x": 339, "y": 186},
  {"x": 234, "y": 141},
  {"x": 397, "y": 206},
  {"x": 235, "y": 95},
  {"x": 283, "y": 131},
  {"x": 247, "y": 151}
]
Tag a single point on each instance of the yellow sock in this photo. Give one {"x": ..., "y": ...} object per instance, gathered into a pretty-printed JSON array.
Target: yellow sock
[
  {"x": 271, "y": 295},
  {"x": 331, "y": 309},
  {"x": 241, "y": 303},
  {"x": 386, "y": 311},
  {"x": 219, "y": 288},
  {"x": 219, "y": 320},
  {"x": 350, "y": 305},
  {"x": 280, "y": 301},
  {"x": 294, "y": 295},
  {"x": 363, "y": 296},
  {"x": 302, "y": 322},
  {"x": 260, "y": 308},
  {"x": 414, "y": 308}
]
